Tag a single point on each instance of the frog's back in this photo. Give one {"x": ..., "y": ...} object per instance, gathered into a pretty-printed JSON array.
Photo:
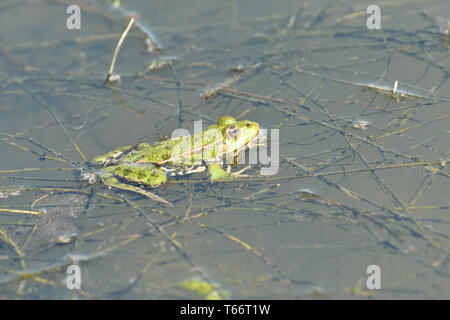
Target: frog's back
[{"x": 152, "y": 153}]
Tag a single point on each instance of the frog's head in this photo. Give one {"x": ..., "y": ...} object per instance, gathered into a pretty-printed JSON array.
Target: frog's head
[{"x": 237, "y": 134}]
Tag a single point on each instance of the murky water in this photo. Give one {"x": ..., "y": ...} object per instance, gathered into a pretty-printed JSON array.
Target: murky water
[{"x": 363, "y": 177}]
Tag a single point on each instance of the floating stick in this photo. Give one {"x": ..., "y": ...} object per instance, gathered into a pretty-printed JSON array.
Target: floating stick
[
  {"x": 116, "y": 51},
  {"x": 152, "y": 40}
]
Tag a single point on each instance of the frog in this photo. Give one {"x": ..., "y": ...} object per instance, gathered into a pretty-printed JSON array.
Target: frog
[{"x": 138, "y": 167}]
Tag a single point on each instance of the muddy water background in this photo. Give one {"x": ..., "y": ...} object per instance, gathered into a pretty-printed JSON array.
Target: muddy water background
[{"x": 344, "y": 197}]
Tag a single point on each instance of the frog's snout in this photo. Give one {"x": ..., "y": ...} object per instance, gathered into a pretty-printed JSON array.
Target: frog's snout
[
  {"x": 249, "y": 124},
  {"x": 255, "y": 125}
]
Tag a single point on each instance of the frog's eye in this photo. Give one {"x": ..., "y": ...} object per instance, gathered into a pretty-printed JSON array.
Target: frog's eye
[{"x": 233, "y": 132}]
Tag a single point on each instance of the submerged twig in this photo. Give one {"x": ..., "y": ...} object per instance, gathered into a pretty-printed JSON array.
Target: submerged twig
[
  {"x": 152, "y": 40},
  {"x": 54, "y": 116},
  {"x": 116, "y": 51}
]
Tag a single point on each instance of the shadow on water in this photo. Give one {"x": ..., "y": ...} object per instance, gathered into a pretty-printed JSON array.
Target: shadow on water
[{"x": 363, "y": 173}]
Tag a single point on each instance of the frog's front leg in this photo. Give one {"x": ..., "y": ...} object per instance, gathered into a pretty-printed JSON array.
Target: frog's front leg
[
  {"x": 218, "y": 174},
  {"x": 111, "y": 181}
]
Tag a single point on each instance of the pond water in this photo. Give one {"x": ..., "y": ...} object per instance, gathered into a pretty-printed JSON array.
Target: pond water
[{"x": 362, "y": 117}]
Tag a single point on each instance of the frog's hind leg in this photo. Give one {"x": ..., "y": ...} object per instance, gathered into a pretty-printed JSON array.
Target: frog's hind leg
[{"x": 111, "y": 181}]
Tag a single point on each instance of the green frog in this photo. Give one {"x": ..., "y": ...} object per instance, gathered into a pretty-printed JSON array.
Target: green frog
[{"x": 132, "y": 167}]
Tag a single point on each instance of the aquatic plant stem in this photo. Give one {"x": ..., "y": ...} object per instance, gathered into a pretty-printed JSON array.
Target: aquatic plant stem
[{"x": 116, "y": 51}]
